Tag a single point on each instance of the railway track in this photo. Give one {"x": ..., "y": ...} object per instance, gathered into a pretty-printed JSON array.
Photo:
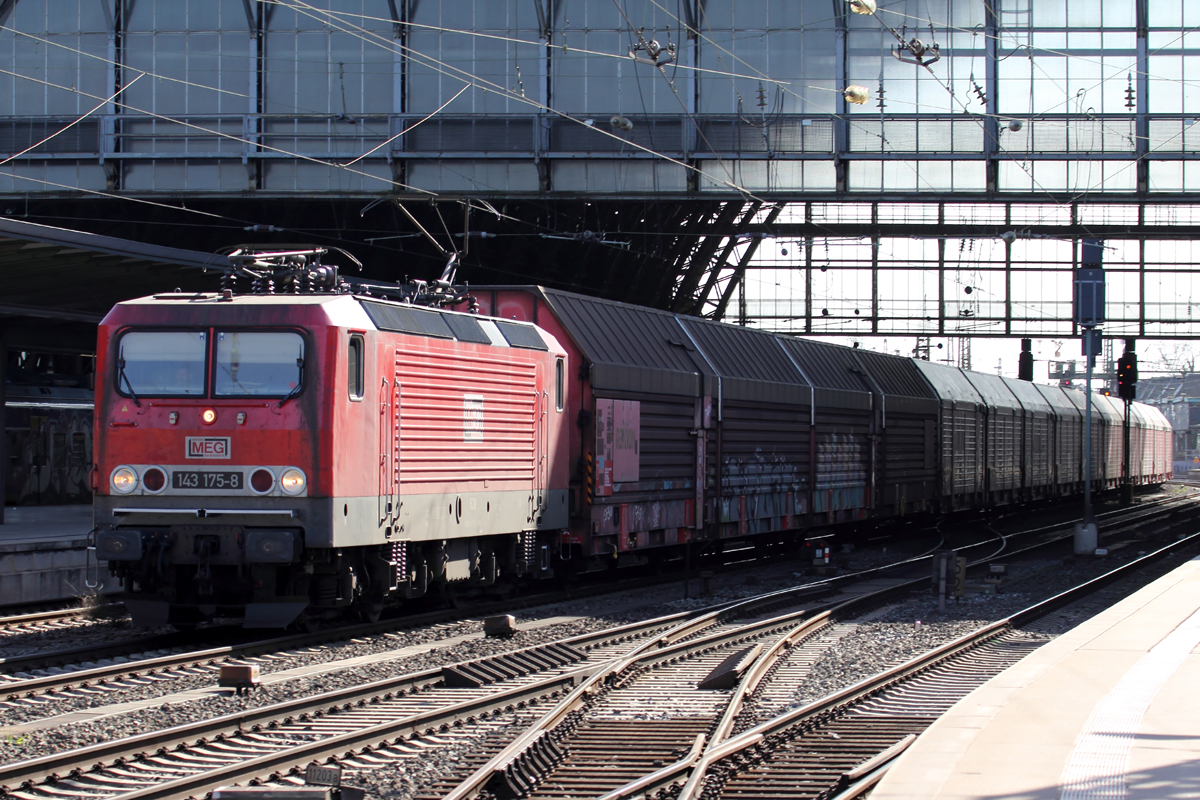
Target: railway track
[
  {"x": 369, "y": 725},
  {"x": 52, "y": 619},
  {"x": 421, "y": 703},
  {"x": 163, "y": 655},
  {"x": 584, "y": 732},
  {"x": 384, "y": 713},
  {"x": 842, "y": 744}
]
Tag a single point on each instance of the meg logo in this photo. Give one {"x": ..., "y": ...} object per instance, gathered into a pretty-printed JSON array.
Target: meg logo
[{"x": 208, "y": 447}]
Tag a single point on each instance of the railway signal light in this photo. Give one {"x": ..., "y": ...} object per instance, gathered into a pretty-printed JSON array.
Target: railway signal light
[
  {"x": 1025, "y": 363},
  {"x": 1127, "y": 376}
]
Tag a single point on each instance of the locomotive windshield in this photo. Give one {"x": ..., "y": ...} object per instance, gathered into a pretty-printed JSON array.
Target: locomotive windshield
[
  {"x": 162, "y": 363},
  {"x": 259, "y": 363}
]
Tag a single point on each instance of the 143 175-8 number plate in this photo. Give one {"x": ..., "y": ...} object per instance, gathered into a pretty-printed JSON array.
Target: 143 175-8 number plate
[{"x": 195, "y": 479}]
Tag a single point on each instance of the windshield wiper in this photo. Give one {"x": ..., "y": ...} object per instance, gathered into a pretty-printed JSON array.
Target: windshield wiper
[
  {"x": 299, "y": 384},
  {"x": 121, "y": 376}
]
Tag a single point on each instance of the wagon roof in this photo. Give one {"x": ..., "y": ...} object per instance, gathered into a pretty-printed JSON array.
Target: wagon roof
[{"x": 949, "y": 382}]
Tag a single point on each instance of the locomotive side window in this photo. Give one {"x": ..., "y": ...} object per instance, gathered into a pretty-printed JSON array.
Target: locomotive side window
[
  {"x": 354, "y": 367},
  {"x": 558, "y": 384},
  {"x": 259, "y": 363},
  {"x": 161, "y": 363}
]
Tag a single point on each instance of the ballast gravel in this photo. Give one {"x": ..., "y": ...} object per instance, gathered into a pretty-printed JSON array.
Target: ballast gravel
[
  {"x": 641, "y": 604},
  {"x": 916, "y": 626}
]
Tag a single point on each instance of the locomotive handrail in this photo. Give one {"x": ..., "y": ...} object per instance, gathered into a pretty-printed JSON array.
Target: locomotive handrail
[{"x": 90, "y": 558}]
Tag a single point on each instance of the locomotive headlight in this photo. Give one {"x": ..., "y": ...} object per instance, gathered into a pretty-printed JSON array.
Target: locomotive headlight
[
  {"x": 208, "y": 416},
  {"x": 292, "y": 481},
  {"x": 124, "y": 480}
]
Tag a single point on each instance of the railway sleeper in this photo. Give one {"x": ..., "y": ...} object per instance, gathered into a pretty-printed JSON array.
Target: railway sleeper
[{"x": 510, "y": 665}]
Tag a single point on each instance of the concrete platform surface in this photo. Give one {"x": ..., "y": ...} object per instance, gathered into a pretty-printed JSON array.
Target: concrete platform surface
[
  {"x": 43, "y": 555},
  {"x": 45, "y": 523},
  {"x": 1108, "y": 710}
]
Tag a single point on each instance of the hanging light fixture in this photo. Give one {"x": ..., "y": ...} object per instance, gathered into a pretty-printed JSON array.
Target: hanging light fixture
[
  {"x": 858, "y": 95},
  {"x": 621, "y": 123},
  {"x": 862, "y": 6}
]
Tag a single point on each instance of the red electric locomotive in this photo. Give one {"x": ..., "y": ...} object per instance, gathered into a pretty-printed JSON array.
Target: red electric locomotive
[{"x": 287, "y": 457}]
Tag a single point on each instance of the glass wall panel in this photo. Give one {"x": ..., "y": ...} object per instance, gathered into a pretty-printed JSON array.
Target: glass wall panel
[
  {"x": 768, "y": 175},
  {"x": 198, "y": 56},
  {"x": 908, "y": 299},
  {"x": 591, "y": 69},
  {"x": 494, "y": 46},
  {"x": 1173, "y": 176},
  {"x": 777, "y": 293},
  {"x": 1166, "y": 254},
  {"x": 845, "y": 304},
  {"x": 975, "y": 280},
  {"x": 618, "y": 176},
  {"x": 1082, "y": 177},
  {"x": 59, "y": 54},
  {"x": 51, "y": 176},
  {"x": 329, "y": 58},
  {"x": 1174, "y": 72},
  {"x": 1038, "y": 296},
  {"x": 767, "y": 57},
  {"x": 916, "y": 176},
  {"x": 1171, "y": 296},
  {"x": 1173, "y": 14},
  {"x": 473, "y": 176},
  {"x": 1122, "y": 295},
  {"x": 197, "y": 176},
  {"x": 306, "y": 176}
]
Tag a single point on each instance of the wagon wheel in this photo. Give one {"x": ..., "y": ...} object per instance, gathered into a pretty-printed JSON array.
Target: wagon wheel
[{"x": 306, "y": 624}]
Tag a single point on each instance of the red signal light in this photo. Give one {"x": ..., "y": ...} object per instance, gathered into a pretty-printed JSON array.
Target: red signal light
[
  {"x": 154, "y": 479},
  {"x": 262, "y": 480}
]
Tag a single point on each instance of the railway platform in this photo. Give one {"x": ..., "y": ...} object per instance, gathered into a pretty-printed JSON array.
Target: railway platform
[
  {"x": 43, "y": 554},
  {"x": 1108, "y": 710}
]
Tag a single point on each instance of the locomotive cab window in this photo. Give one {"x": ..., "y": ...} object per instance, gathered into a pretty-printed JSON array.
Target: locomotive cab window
[
  {"x": 354, "y": 367},
  {"x": 558, "y": 384},
  {"x": 259, "y": 363},
  {"x": 161, "y": 363}
]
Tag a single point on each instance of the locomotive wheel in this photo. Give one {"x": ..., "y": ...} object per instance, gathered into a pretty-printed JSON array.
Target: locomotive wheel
[
  {"x": 370, "y": 612},
  {"x": 306, "y": 624}
]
